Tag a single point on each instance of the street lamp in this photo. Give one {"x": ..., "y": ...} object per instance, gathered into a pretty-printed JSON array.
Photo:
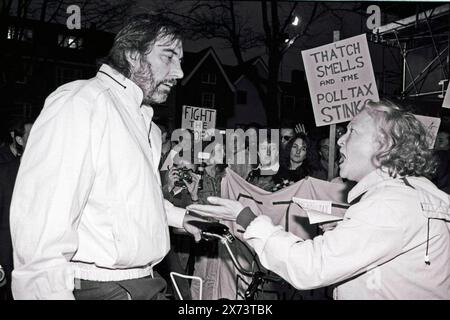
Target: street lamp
[{"x": 287, "y": 39}]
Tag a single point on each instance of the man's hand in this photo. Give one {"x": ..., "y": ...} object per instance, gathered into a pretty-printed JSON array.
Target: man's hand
[
  {"x": 193, "y": 186},
  {"x": 192, "y": 226},
  {"x": 172, "y": 176},
  {"x": 224, "y": 209}
]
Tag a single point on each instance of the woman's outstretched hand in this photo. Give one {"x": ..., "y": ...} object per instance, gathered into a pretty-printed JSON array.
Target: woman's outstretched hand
[{"x": 223, "y": 209}]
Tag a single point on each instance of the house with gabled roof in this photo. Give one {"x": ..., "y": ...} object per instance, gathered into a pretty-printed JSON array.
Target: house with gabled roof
[
  {"x": 248, "y": 107},
  {"x": 205, "y": 84},
  {"x": 209, "y": 83},
  {"x": 295, "y": 102}
]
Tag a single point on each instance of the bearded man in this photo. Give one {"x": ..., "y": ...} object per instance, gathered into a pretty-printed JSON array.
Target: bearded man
[{"x": 88, "y": 218}]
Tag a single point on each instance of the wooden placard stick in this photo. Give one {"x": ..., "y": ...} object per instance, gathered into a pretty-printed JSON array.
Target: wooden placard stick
[{"x": 332, "y": 136}]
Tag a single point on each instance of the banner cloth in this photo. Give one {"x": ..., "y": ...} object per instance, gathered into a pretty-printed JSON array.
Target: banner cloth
[{"x": 224, "y": 279}]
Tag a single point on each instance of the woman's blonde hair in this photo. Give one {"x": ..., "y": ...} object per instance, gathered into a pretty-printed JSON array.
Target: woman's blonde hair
[{"x": 404, "y": 142}]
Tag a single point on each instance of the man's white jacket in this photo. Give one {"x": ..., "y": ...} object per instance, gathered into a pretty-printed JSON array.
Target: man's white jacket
[{"x": 87, "y": 201}]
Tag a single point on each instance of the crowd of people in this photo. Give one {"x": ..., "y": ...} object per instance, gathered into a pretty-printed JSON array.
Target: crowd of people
[
  {"x": 280, "y": 163},
  {"x": 97, "y": 203},
  {"x": 394, "y": 241}
]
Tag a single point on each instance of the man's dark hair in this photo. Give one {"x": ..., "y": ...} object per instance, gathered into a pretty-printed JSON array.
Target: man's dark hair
[
  {"x": 139, "y": 35},
  {"x": 17, "y": 126}
]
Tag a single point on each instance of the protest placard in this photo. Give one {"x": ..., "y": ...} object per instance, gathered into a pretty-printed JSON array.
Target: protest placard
[
  {"x": 340, "y": 79},
  {"x": 431, "y": 124},
  {"x": 201, "y": 120}
]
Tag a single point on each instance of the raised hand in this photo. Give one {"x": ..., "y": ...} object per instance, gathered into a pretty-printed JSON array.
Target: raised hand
[
  {"x": 172, "y": 176},
  {"x": 300, "y": 128},
  {"x": 193, "y": 186}
]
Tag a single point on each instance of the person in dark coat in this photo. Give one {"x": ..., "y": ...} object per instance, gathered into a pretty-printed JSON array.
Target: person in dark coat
[
  {"x": 8, "y": 172},
  {"x": 9, "y": 166},
  {"x": 442, "y": 153},
  {"x": 19, "y": 131}
]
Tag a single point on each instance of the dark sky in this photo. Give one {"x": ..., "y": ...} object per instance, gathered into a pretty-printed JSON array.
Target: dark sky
[{"x": 322, "y": 29}]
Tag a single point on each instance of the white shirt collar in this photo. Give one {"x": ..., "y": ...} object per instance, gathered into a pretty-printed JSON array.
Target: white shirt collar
[{"x": 127, "y": 88}]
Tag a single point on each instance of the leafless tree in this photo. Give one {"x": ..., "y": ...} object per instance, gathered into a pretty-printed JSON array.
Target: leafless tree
[
  {"x": 104, "y": 14},
  {"x": 272, "y": 29}
]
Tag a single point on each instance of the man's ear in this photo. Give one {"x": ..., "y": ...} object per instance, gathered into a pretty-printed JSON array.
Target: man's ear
[
  {"x": 19, "y": 140},
  {"x": 132, "y": 57}
]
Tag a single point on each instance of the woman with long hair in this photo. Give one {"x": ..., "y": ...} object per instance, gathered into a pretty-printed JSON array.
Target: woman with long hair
[{"x": 295, "y": 163}]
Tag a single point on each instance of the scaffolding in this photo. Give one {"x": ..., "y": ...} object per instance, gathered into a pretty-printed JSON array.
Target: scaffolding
[{"x": 429, "y": 30}]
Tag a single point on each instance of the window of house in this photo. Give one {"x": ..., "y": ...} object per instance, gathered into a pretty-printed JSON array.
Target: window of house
[
  {"x": 22, "y": 34},
  {"x": 209, "y": 78},
  {"x": 241, "y": 97},
  {"x": 72, "y": 42},
  {"x": 208, "y": 100},
  {"x": 10, "y": 34}
]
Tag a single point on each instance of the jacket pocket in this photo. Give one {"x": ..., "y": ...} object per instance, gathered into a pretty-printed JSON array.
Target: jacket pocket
[{"x": 123, "y": 235}]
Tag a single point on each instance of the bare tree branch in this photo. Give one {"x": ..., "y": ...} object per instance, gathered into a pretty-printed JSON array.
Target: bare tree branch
[
  {"x": 221, "y": 20},
  {"x": 56, "y": 11},
  {"x": 288, "y": 19},
  {"x": 265, "y": 20}
]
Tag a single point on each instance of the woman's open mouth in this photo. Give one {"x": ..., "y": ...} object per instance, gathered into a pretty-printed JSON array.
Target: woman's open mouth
[{"x": 341, "y": 158}]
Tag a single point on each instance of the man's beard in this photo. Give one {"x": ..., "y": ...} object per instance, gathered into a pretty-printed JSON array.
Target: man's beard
[{"x": 144, "y": 78}]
